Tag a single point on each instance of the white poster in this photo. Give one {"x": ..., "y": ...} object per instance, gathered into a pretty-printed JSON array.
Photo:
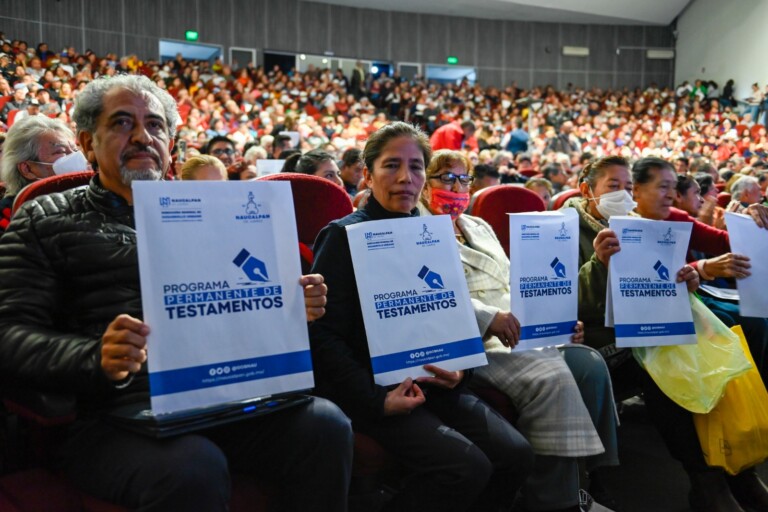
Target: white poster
[
  {"x": 267, "y": 167},
  {"x": 544, "y": 276},
  {"x": 750, "y": 240},
  {"x": 220, "y": 290},
  {"x": 414, "y": 297},
  {"x": 650, "y": 307}
]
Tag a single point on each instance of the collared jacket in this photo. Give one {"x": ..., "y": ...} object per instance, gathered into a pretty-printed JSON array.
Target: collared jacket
[{"x": 68, "y": 267}]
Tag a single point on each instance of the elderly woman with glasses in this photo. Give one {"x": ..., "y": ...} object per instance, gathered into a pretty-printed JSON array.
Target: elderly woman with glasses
[{"x": 559, "y": 407}]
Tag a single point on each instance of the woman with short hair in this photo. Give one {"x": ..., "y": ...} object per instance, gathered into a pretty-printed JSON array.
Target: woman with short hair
[{"x": 203, "y": 167}]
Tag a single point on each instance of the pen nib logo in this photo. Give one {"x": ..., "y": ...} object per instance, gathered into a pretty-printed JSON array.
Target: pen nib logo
[
  {"x": 661, "y": 270},
  {"x": 668, "y": 236},
  {"x": 432, "y": 278},
  {"x": 563, "y": 230},
  {"x": 254, "y": 268},
  {"x": 558, "y": 267}
]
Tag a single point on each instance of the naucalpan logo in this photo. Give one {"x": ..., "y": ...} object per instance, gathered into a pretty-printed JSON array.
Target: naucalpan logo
[
  {"x": 667, "y": 238},
  {"x": 252, "y": 210},
  {"x": 166, "y": 202},
  {"x": 427, "y": 238}
]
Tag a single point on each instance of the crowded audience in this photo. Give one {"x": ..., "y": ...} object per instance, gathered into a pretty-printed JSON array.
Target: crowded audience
[{"x": 612, "y": 148}]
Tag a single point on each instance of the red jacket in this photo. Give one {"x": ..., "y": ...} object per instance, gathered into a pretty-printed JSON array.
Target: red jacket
[
  {"x": 704, "y": 238},
  {"x": 448, "y": 136}
]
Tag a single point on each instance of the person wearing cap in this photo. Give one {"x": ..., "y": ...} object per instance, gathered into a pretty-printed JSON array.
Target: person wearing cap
[{"x": 18, "y": 102}]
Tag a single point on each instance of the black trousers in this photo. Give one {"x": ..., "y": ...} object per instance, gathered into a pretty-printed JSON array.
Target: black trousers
[
  {"x": 674, "y": 423},
  {"x": 307, "y": 450},
  {"x": 461, "y": 454}
]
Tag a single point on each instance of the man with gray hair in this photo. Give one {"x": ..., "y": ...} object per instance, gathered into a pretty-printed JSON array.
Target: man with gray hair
[
  {"x": 31, "y": 147},
  {"x": 70, "y": 322},
  {"x": 746, "y": 191}
]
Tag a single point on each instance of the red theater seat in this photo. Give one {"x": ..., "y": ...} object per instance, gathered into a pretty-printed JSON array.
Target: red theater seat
[
  {"x": 560, "y": 199},
  {"x": 50, "y": 185},
  {"x": 316, "y": 202},
  {"x": 723, "y": 199}
]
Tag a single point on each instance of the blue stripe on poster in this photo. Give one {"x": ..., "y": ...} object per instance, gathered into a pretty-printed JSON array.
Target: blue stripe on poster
[
  {"x": 535, "y": 332},
  {"x": 427, "y": 355},
  {"x": 229, "y": 372},
  {"x": 647, "y": 330}
]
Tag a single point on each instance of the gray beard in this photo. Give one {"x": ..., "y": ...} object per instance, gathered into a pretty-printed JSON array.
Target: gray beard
[{"x": 128, "y": 176}]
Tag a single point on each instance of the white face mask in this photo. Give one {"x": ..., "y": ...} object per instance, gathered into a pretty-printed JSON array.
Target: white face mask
[
  {"x": 73, "y": 162},
  {"x": 614, "y": 204}
]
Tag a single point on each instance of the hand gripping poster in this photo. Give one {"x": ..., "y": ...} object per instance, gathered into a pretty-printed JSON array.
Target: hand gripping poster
[{"x": 650, "y": 308}]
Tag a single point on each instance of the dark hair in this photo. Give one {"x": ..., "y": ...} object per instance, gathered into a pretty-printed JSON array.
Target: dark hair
[
  {"x": 249, "y": 145},
  {"x": 684, "y": 182},
  {"x": 641, "y": 171},
  {"x": 383, "y": 135},
  {"x": 481, "y": 171},
  {"x": 523, "y": 158},
  {"x": 280, "y": 139},
  {"x": 727, "y": 175},
  {"x": 705, "y": 181},
  {"x": 683, "y": 159},
  {"x": 551, "y": 170},
  {"x": 311, "y": 160},
  {"x": 468, "y": 125},
  {"x": 291, "y": 161},
  {"x": 595, "y": 169},
  {"x": 215, "y": 140},
  {"x": 352, "y": 156}
]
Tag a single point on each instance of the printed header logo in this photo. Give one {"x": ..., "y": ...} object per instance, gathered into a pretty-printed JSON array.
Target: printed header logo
[
  {"x": 667, "y": 238},
  {"x": 563, "y": 234},
  {"x": 253, "y": 211},
  {"x": 427, "y": 238}
]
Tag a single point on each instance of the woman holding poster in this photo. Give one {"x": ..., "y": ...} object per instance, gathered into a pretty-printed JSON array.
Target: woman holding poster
[
  {"x": 605, "y": 185},
  {"x": 553, "y": 416},
  {"x": 463, "y": 454}
]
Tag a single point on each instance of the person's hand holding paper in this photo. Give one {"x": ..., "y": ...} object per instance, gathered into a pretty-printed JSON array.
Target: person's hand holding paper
[{"x": 124, "y": 347}]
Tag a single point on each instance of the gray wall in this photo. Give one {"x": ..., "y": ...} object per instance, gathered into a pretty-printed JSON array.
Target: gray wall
[{"x": 503, "y": 51}]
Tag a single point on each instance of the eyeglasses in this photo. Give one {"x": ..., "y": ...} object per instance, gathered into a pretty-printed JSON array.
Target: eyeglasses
[
  {"x": 449, "y": 178},
  {"x": 223, "y": 151}
]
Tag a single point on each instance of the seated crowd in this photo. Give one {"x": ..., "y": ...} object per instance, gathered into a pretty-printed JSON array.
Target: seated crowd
[{"x": 629, "y": 152}]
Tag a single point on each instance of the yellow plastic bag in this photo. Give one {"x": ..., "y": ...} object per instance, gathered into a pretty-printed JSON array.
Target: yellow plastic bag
[
  {"x": 734, "y": 435},
  {"x": 695, "y": 376}
]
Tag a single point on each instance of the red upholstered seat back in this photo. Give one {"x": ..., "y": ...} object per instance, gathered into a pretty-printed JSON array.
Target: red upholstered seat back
[
  {"x": 316, "y": 202},
  {"x": 723, "y": 198},
  {"x": 52, "y": 184},
  {"x": 496, "y": 202},
  {"x": 559, "y": 200}
]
